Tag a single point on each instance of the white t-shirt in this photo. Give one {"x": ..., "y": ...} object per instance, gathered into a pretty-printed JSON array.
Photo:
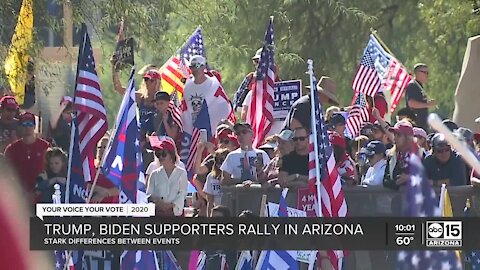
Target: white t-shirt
[
  {"x": 236, "y": 165},
  {"x": 156, "y": 164},
  {"x": 194, "y": 94},
  {"x": 277, "y": 125},
  {"x": 212, "y": 187}
]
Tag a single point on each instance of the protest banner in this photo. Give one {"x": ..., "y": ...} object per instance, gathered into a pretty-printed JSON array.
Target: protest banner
[{"x": 285, "y": 94}]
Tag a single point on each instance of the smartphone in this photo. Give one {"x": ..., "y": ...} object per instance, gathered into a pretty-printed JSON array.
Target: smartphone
[
  {"x": 203, "y": 136},
  {"x": 260, "y": 158}
]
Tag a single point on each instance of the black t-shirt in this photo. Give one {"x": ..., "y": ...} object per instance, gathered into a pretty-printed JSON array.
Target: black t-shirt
[
  {"x": 454, "y": 169},
  {"x": 415, "y": 92},
  {"x": 300, "y": 110},
  {"x": 61, "y": 134},
  {"x": 294, "y": 163}
]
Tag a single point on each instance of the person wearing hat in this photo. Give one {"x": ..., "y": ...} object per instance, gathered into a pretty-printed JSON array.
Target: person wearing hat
[
  {"x": 345, "y": 164},
  {"x": 9, "y": 130},
  {"x": 421, "y": 140},
  {"x": 247, "y": 85},
  {"x": 144, "y": 98},
  {"x": 269, "y": 146},
  {"x": 396, "y": 171},
  {"x": 162, "y": 123},
  {"x": 245, "y": 164},
  {"x": 376, "y": 159},
  {"x": 27, "y": 155},
  {"x": 168, "y": 184},
  {"x": 284, "y": 146},
  {"x": 60, "y": 124},
  {"x": 300, "y": 112},
  {"x": 416, "y": 98},
  {"x": 200, "y": 88},
  {"x": 444, "y": 166}
]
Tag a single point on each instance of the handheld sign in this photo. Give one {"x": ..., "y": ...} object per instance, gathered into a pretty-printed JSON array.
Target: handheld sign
[
  {"x": 124, "y": 53},
  {"x": 284, "y": 95}
]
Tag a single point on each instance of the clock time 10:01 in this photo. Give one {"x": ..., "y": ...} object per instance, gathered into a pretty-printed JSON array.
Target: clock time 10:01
[{"x": 405, "y": 228}]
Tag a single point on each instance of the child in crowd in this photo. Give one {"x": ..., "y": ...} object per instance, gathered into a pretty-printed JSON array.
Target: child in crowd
[
  {"x": 55, "y": 173},
  {"x": 212, "y": 185}
]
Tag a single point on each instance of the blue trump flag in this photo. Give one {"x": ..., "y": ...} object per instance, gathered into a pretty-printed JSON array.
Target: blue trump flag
[{"x": 123, "y": 166}]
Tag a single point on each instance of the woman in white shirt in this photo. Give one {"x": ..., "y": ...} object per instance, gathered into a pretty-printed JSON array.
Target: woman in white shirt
[
  {"x": 155, "y": 164},
  {"x": 168, "y": 184}
]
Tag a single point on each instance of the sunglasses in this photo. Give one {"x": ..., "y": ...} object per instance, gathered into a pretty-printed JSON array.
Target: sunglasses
[
  {"x": 101, "y": 147},
  {"x": 296, "y": 139},
  {"x": 27, "y": 124},
  {"x": 147, "y": 80},
  {"x": 195, "y": 66},
  {"x": 161, "y": 154},
  {"x": 225, "y": 141}
]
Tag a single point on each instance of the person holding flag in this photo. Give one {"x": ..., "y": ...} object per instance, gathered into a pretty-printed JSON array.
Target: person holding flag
[{"x": 123, "y": 166}]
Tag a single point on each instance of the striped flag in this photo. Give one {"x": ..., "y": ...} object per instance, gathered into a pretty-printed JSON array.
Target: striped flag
[
  {"x": 176, "y": 69},
  {"x": 173, "y": 108},
  {"x": 245, "y": 261},
  {"x": 397, "y": 81},
  {"x": 358, "y": 115},
  {"x": 89, "y": 125},
  {"x": 380, "y": 71},
  {"x": 261, "y": 109},
  {"x": 323, "y": 172}
]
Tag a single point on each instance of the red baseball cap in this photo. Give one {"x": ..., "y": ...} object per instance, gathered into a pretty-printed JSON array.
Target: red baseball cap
[
  {"x": 26, "y": 117},
  {"x": 8, "y": 102},
  {"x": 337, "y": 140},
  {"x": 152, "y": 74},
  {"x": 476, "y": 137},
  {"x": 402, "y": 127},
  {"x": 165, "y": 144}
]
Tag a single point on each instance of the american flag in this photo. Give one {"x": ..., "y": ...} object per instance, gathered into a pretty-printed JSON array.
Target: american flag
[
  {"x": 176, "y": 68},
  {"x": 422, "y": 202},
  {"x": 358, "y": 115},
  {"x": 261, "y": 109},
  {"x": 91, "y": 120},
  {"x": 380, "y": 71},
  {"x": 323, "y": 172},
  {"x": 175, "y": 110},
  {"x": 397, "y": 81}
]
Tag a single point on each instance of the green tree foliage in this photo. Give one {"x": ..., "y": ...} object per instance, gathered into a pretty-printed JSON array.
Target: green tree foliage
[{"x": 332, "y": 32}]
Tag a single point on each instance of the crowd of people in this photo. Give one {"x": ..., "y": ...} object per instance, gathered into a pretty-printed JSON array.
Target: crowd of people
[{"x": 377, "y": 156}]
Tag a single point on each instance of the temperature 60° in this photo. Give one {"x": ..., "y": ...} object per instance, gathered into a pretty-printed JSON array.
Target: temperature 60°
[{"x": 404, "y": 240}]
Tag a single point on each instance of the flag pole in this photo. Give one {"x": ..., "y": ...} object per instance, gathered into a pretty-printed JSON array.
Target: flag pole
[
  {"x": 313, "y": 92},
  {"x": 374, "y": 33}
]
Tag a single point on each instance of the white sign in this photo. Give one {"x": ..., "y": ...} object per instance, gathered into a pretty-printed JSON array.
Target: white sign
[
  {"x": 94, "y": 210},
  {"x": 292, "y": 212}
]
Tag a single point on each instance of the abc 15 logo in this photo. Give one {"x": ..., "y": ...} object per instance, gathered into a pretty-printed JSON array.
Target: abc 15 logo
[{"x": 445, "y": 230}]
